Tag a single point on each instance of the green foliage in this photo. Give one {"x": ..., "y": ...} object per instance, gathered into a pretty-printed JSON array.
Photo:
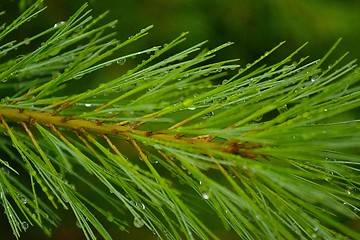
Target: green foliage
[{"x": 268, "y": 153}]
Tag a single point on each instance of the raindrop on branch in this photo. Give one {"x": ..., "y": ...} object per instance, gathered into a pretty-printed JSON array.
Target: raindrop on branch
[
  {"x": 283, "y": 108},
  {"x": 59, "y": 24},
  {"x": 208, "y": 115},
  {"x": 138, "y": 222},
  {"x": 314, "y": 78},
  {"x": 258, "y": 118},
  {"x": 23, "y": 200},
  {"x": 121, "y": 61},
  {"x": 24, "y": 225},
  {"x": 206, "y": 196},
  {"x": 110, "y": 217},
  {"x": 140, "y": 205}
]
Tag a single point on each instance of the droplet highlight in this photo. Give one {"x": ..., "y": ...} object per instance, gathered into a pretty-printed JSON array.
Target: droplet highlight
[{"x": 138, "y": 222}]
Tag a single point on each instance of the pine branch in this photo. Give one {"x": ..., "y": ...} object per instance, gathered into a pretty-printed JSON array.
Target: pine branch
[{"x": 269, "y": 153}]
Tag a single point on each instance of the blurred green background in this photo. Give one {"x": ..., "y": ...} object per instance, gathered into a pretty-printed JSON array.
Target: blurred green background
[{"x": 255, "y": 26}]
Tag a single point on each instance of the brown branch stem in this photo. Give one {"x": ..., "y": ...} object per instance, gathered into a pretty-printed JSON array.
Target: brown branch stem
[{"x": 126, "y": 132}]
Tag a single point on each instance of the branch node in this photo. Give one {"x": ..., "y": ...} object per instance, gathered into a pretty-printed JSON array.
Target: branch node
[
  {"x": 32, "y": 120},
  {"x": 67, "y": 118},
  {"x": 114, "y": 131},
  {"x": 178, "y": 135},
  {"x": 98, "y": 122},
  {"x": 148, "y": 133}
]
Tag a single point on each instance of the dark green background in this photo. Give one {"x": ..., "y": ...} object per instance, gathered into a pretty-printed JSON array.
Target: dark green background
[{"x": 254, "y": 25}]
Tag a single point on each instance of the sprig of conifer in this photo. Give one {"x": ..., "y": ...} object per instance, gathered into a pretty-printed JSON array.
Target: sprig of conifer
[{"x": 268, "y": 153}]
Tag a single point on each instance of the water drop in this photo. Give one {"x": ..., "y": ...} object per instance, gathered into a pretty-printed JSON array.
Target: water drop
[
  {"x": 26, "y": 41},
  {"x": 252, "y": 82},
  {"x": 205, "y": 196},
  {"x": 208, "y": 115},
  {"x": 258, "y": 118},
  {"x": 350, "y": 190},
  {"x": 138, "y": 222},
  {"x": 78, "y": 76},
  {"x": 87, "y": 104},
  {"x": 183, "y": 167},
  {"x": 313, "y": 236},
  {"x": 79, "y": 224},
  {"x": 110, "y": 217},
  {"x": 55, "y": 75},
  {"x": 225, "y": 81},
  {"x": 24, "y": 225},
  {"x": 283, "y": 108},
  {"x": 305, "y": 114},
  {"x": 23, "y": 200},
  {"x": 314, "y": 78},
  {"x": 121, "y": 61},
  {"x": 285, "y": 67},
  {"x": 140, "y": 205},
  {"x": 59, "y": 24},
  {"x": 78, "y": 29}
]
